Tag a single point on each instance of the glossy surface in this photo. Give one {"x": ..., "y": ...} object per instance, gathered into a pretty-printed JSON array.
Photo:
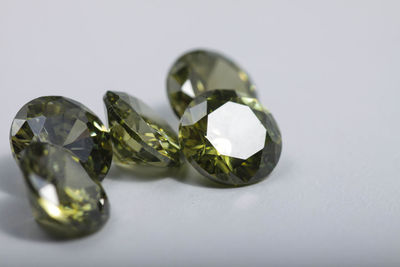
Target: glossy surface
[
  {"x": 201, "y": 70},
  {"x": 230, "y": 138},
  {"x": 64, "y": 122},
  {"x": 65, "y": 200},
  {"x": 138, "y": 134}
]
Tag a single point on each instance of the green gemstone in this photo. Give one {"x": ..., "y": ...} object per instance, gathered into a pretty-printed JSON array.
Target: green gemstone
[
  {"x": 65, "y": 200},
  {"x": 230, "y": 138},
  {"x": 138, "y": 134},
  {"x": 199, "y": 71},
  {"x": 64, "y": 122}
]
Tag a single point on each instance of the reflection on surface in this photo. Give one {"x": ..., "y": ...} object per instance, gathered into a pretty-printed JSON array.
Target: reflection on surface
[{"x": 231, "y": 137}]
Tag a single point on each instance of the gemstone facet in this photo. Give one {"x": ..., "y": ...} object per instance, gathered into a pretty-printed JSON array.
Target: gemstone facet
[
  {"x": 65, "y": 200},
  {"x": 64, "y": 122},
  {"x": 199, "y": 71},
  {"x": 230, "y": 138},
  {"x": 138, "y": 134}
]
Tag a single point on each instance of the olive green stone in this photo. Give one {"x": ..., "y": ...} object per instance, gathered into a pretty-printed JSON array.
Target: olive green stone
[
  {"x": 230, "y": 138},
  {"x": 138, "y": 134},
  {"x": 65, "y": 200},
  {"x": 201, "y": 70},
  {"x": 64, "y": 122}
]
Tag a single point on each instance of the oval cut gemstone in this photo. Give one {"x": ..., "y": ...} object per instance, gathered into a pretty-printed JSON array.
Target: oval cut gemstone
[
  {"x": 138, "y": 134},
  {"x": 230, "y": 138},
  {"x": 65, "y": 200},
  {"x": 201, "y": 70},
  {"x": 64, "y": 122}
]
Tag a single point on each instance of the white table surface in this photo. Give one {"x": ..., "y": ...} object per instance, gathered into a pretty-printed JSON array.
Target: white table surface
[{"x": 328, "y": 71}]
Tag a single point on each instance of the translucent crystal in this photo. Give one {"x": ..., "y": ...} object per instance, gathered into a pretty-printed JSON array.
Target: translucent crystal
[
  {"x": 138, "y": 134},
  {"x": 230, "y": 138},
  {"x": 64, "y": 122},
  {"x": 65, "y": 200},
  {"x": 199, "y": 71}
]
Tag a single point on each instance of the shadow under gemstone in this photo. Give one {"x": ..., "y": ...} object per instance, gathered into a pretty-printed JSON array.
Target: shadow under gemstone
[
  {"x": 185, "y": 174},
  {"x": 16, "y": 216}
]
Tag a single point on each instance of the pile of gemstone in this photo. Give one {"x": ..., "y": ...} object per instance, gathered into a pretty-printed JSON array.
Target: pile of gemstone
[{"x": 65, "y": 151}]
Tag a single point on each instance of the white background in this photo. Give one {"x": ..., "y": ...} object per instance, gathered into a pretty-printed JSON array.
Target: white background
[{"x": 328, "y": 71}]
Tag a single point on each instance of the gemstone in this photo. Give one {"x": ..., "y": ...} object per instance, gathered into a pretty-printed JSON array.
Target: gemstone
[
  {"x": 201, "y": 70},
  {"x": 65, "y": 200},
  {"x": 230, "y": 137},
  {"x": 138, "y": 134},
  {"x": 64, "y": 122}
]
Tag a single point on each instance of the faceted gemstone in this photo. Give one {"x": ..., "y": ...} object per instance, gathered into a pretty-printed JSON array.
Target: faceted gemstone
[
  {"x": 138, "y": 134},
  {"x": 65, "y": 200},
  {"x": 64, "y": 122},
  {"x": 230, "y": 138},
  {"x": 199, "y": 71}
]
